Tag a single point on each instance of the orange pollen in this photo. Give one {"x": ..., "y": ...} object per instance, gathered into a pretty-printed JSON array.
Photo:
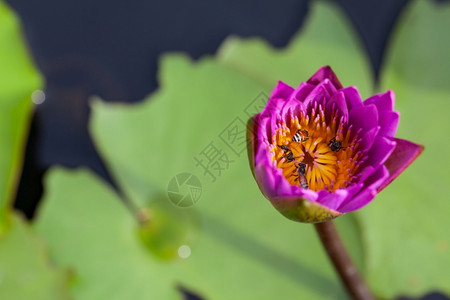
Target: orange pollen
[{"x": 315, "y": 151}]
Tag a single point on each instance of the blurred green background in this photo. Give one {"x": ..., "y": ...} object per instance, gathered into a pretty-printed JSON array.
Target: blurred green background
[{"x": 86, "y": 242}]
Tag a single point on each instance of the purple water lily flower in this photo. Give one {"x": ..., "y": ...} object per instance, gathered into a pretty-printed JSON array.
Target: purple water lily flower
[{"x": 319, "y": 151}]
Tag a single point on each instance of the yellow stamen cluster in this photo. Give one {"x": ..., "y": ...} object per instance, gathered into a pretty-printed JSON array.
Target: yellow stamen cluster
[{"x": 325, "y": 168}]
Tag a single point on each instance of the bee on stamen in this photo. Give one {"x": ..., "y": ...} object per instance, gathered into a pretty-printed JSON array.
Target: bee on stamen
[
  {"x": 302, "y": 135},
  {"x": 335, "y": 145},
  {"x": 301, "y": 170},
  {"x": 287, "y": 153}
]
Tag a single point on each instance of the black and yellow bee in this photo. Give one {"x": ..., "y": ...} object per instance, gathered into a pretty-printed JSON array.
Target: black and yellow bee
[
  {"x": 302, "y": 135},
  {"x": 287, "y": 153},
  {"x": 301, "y": 171}
]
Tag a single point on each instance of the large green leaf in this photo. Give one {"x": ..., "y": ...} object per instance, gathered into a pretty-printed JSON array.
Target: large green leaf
[
  {"x": 25, "y": 272},
  {"x": 244, "y": 249},
  {"x": 406, "y": 228},
  {"x": 98, "y": 238},
  {"x": 90, "y": 231},
  {"x": 18, "y": 79}
]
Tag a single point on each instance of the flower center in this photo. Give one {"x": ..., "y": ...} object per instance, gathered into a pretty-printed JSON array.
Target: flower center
[{"x": 315, "y": 151}]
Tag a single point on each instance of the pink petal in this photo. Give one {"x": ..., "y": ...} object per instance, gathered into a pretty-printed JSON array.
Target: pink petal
[
  {"x": 273, "y": 184},
  {"x": 329, "y": 86},
  {"x": 262, "y": 129},
  {"x": 382, "y": 148},
  {"x": 350, "y": 192},
  {"x": 323, "y": 73},
  {"x": 384, "y": 101},
  {"x": 368, "y": 192},
  {"x": 273, "y": 106},
  {"x": 389, "y": 123},
  {"x": 332, "y": 200},
  {"x": 403, "y": 155},
  {"x": 387, "y": 117},
  {"x": 319, "y": 94},
  {"x": 352, "y": 97},
  {"x": 265, "y": 177},
  {"x": 367, "y": 139},
  {"x": 295, "y": 102},
  {"x": 364, "y": 117},
  {"x": 282, "y": 90},
  {"x": 337, "y": 102},
  {"x": 302, "y": 91}
]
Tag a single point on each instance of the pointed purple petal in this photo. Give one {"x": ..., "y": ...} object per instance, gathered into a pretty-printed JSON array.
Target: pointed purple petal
[
  {"x": 365, "y": 172},
  {"x": 295, "y": 102},
  {"x": 265, "y": 178},
  {"x": 351, "y": 191},
  {"x": 368, "y": 192},
  {"x": 403, "y": 155},
  {"x": 352, "y": 97},
  {"x": 273, "y": 106},
  {"x": 389, "y": 123},
  {"x": 387, "y": 117},
  {"x": 262, "y": 129},
  {"x": 364, "y": 118},
  {"x": 337, "y": 102},
  {"x": 273, "y": 184},
  {"x": 302, "y": 91},
  {"x": 329, "y": 86},
  {"x": 384, "y": 101},
  {"x": 367, "y": 139},
  {"x": 332, "y": 200},
  {"x": 282, "y": 90},
  {"x": 325, "y": 73},
  {"x": 381, "y": 150},
  {"x": 319, "y": 94}
]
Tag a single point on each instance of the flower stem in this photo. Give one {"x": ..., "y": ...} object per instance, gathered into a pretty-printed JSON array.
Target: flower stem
[
  {"x": 141, "y": 216},
  {"x": 342, "y": 262}
]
